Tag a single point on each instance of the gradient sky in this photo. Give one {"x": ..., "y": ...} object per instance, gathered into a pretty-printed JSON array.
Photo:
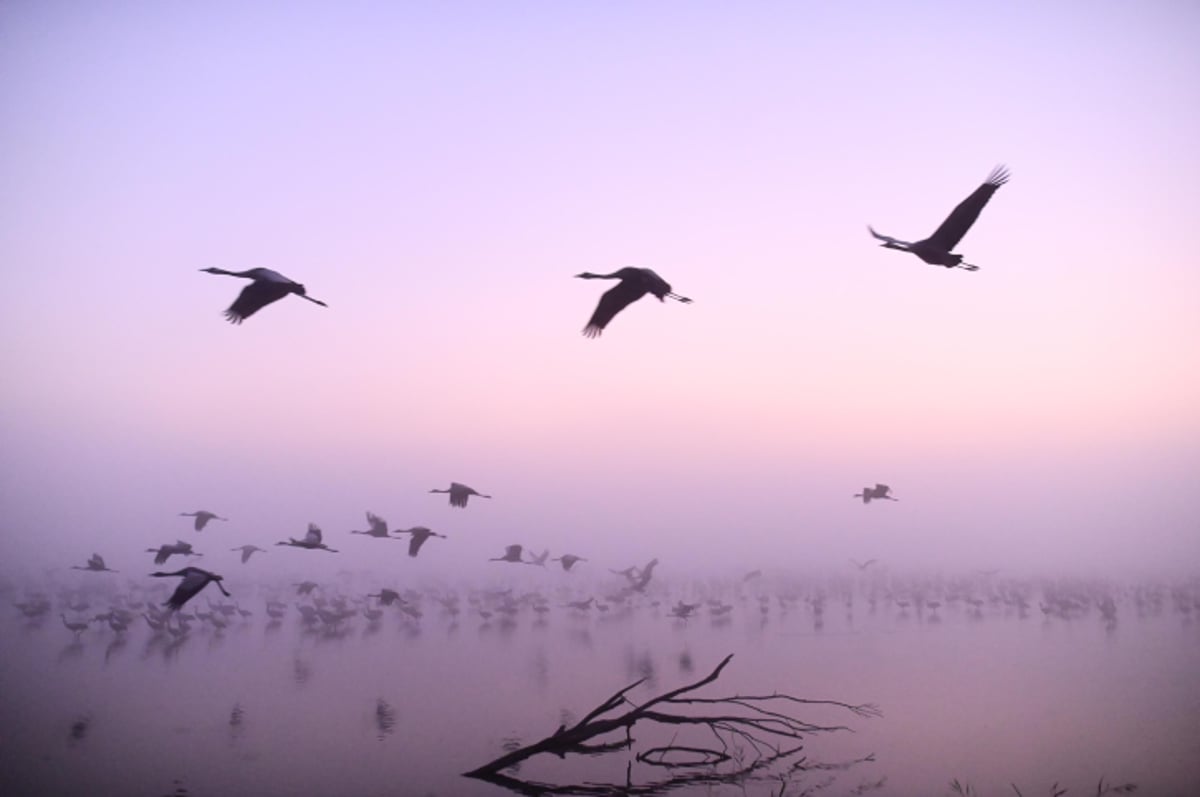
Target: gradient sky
[{"x": 437, "y": 172}]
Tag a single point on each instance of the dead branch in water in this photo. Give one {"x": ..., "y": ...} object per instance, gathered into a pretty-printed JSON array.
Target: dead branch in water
[{"x": 757, "y": 722}]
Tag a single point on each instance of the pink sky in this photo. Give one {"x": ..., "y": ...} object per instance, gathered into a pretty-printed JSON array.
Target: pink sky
[{"x": 437, "y": 174}]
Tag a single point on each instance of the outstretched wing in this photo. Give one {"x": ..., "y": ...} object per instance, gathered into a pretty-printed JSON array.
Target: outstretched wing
[
  {"x": 313, "y": 537},
  {"x": 947, "y": 236},
  {"x": 887, "y": 239},
  {"x": 378, "y": 524},
  {"x": 614, "y": 300},
  {"x": 255, "y": 297}
]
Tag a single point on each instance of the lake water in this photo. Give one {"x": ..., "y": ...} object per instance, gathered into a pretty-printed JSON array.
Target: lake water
[{"x": 981, "y": 692}]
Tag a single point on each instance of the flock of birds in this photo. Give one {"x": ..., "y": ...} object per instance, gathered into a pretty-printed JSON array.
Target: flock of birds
[
  {"x": 195, "y": 579},
  {"x": 269, "y": 286}
]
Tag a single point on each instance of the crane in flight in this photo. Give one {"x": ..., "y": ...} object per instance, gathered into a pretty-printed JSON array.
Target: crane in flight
[
  {"x": 194, "y": 580},
  {"x": 311, "y": 541},
  {"x": 880, "y": 492},
  {"x": 419, "y": 535},
  {"x": 568, "y": 560},
  {"x": 634, "y": 284},
  {"x": 378, "y": 527},
  {"x": 202, "y": 517},
  {"x": 511, "y": 554},
  {"x": 248, "y": 551},
  {"x": 96, "y": 565},
  {"x": 268, "y": 286},
  {"x": 459, "y": 493},
  {"x": 935, "y": 249},
  {"x": 164, "y": 552}
]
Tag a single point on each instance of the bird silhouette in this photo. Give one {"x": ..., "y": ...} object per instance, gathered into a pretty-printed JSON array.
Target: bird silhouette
[
  {"x": 311, "y": 541},
  {"x": 419, "y": 535},
  {"x": 202, "y": 517},
  {"x": 634, "y": 284},
  {"x": 863, "y": 565},
  {"x": 378, "y": 527},
  {"x": 459, "y": 493},
  {"x": 268, "y": 286},
  {"x": 568, "y": 560},
  {"x": 247, "y": 551},
  {"x": 96, "y": 565},
  {"x": 387, "y": 596},
  {"x": 539, "y": 559},
  {"x": 511, "y": 554},
  {"x": 880, "y": 492},
  {"x": 194, "y": 580},
  {"x": 935, "y": 249},
  {"x": 164, "y": 552}
]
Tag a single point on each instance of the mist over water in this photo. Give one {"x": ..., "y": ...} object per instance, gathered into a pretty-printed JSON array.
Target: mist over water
[
  {"x": 437, "y": 175},
  {"x": 987, "y": 679}
]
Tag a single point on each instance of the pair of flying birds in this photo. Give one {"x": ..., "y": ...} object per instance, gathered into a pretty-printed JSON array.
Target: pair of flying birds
[{"x": 270, "y": 286}]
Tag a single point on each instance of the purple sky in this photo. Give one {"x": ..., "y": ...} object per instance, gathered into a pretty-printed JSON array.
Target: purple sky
[{"x": 438, "y": 172}]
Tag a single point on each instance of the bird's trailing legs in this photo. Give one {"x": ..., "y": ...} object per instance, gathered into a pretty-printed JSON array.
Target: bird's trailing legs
[{"x": 678, "y": 298}]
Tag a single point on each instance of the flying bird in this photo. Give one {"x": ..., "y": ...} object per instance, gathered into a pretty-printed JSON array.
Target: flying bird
[
  {"x": 863, "y": 565},
  {"x": 880, "y": 492},
  {"x": 164, "y": 552},
  {"x": 379, "y": 527},
  {"x": 539, "y": 559},
  {"x": 202, "y": 517},
  {"x": 96, "y": 565},
  {"x": 248, "y": 551},
  {"x": 268, "y": 286},
  {"x": 935, "y": 249},
  {"x": 511, "y": 554},
  {"x": 634, "y": 284},
  {"x": 459, "y": 493},
  {"x": 194, "y": 580},
  {"x": 568, "y": 560},
  {"x": 419, "y": 535},
  {"x": 311, "y": 541}
]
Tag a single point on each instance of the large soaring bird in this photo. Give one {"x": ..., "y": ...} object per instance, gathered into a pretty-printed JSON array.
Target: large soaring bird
[
  {"x": 936, "y": 248},
  {"x": 459, "y": 493},
  {"x": 634, "y": 284},
  {"x": 202, "y": 516},
  {"x": 268, "y": 286},
  {"x": 194, "y": 580}
]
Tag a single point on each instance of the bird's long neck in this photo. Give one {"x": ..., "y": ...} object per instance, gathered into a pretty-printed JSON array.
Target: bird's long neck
[{"x": 587, "y": 275}]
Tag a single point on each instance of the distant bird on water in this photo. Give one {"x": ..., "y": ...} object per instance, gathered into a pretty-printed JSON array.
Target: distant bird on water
[
  {"x": 268, "y": 286},
  {"x": 194, "y": 580},
  {"x": 459, "y": 493},
  {"x": 419, "y": 535},
  {"x": 96, "y": 565},
  {"x": 202, "y": 517},
  {"x": 634, "y": 284},
  {"x": 935, "y": 249},
  {"x": 311, "y": 541},
  {"x": 880, "y": 492},
  {"x": 248, "y": 551}
]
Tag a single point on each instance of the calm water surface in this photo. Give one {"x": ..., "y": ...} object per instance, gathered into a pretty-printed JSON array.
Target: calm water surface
[{"x": 403, "y": 707}]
